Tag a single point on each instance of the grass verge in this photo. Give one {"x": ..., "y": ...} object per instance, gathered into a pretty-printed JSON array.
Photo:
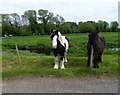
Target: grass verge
[{"x": 43, "y": 66}]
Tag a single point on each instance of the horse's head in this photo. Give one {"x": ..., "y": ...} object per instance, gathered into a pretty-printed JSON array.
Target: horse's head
[
  {"x": 93, "y": 37},
  {"x": 54, "y": 36},
  {"x": 53, "y": 33}
]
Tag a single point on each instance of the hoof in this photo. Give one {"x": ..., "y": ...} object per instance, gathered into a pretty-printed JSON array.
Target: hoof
[
  {"x": 96, "y": 66},
  {"x": 88, "y": 65},
  {"x": 55, "y": 67},
  {"x": 100, "y": 61},
  {"x": 62, "y": 68}
]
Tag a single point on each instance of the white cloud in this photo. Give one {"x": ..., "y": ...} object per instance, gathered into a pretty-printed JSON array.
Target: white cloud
[{"x": 71, "y": 10}]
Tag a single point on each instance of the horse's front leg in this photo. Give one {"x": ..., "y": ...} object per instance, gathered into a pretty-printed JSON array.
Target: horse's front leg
[
  {"x": 56, "y": 62},
  {"x": 62, "y": 62},
  {"x": 96, "y": 57},
  {"x": 65, "y": 58},
  {"x": 100, "y": 57},
  {"x": 89, "y": 58}
]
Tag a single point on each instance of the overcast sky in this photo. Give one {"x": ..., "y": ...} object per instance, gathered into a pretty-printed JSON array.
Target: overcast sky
[{"x": 70, "y": 10}]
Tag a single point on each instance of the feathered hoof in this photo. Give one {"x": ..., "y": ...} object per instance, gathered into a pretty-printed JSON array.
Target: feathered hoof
[
  {"x": 62, "y": 68},
  {"x": 55, "y": 67}
]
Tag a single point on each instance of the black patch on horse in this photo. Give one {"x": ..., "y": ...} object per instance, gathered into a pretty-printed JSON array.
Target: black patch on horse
[{"x": 59, "y": 50}]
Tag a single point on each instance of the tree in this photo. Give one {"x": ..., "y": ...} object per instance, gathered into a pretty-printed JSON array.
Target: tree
[
  {"x": 6, "y": 24},
  {"x": 58, "y": 20},
  {"x": 103, "y": 25},
  {"x": 85, "y": 27},
  {"x": 24, "y": 20},
  {"x": 44, "y": 16},
  {"x": 24, "y": 26},
  {"x": 67, "y": 27},
  {"x": 31, "y": 15},
  {"x": 49, "y": 20},
  {"x": 114, "y": 26},
  {"x": 15, "y": 19},
  {"x": 16, "y": 23}
]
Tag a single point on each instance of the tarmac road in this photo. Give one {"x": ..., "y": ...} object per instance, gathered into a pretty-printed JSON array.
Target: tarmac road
[{"x": 60, "y": 85}]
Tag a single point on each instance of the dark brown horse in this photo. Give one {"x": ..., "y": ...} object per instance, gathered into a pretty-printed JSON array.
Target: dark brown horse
[{"x": 95, "y": 48}]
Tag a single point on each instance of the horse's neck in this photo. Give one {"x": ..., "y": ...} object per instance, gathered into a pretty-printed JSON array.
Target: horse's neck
[
  {"x": 58, "y": 42},
  {"x": 61, "y": 40},
  {"x": 95, "y": 41}
]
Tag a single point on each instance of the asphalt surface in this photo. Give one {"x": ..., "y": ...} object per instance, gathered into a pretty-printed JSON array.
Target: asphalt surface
[{"x": 59, "y": 85}]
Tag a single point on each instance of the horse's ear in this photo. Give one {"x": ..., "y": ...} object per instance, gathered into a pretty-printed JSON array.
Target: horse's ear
[
  {"x": 57, "y": 31},
  {"x": 51, "y": 31},
  {"x": 88, "y": 31},
  {"x": 97, "y": 28}
]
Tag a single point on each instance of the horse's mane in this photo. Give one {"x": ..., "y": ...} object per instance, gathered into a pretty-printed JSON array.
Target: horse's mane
[{"x": 60, "y": 37}]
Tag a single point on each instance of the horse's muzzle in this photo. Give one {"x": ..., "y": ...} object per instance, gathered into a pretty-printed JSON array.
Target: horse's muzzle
[{"x": 54, "y": 47}]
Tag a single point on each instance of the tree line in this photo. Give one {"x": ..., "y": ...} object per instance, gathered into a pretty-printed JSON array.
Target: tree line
[{"x": 43, "y": 21}]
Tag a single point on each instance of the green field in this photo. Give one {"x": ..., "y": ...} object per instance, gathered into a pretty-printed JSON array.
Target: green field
[
  {"x": 32, "y": 63},
  {"x": 42, "y": 44}
]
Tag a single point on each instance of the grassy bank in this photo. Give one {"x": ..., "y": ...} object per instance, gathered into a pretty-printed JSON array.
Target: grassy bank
[{"x": 43, "y": 65}]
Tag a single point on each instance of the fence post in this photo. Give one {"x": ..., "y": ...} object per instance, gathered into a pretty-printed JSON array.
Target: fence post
[
  {"x": 91, "y": 56},
  {"x": 17, "y": 53}
]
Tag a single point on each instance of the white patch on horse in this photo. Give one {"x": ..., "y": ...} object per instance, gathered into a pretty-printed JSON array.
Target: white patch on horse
[
  {"x": 62, "y": 64},
  {"x": 54, "y": 42},
  {"x": 56, "y": 62}
]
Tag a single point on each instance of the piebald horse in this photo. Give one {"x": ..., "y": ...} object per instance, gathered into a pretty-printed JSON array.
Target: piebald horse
[{"x": 60, "y": 47}]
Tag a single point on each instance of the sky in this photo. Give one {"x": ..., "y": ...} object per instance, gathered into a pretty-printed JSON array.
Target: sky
[{"x": 70, "y": 10}]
